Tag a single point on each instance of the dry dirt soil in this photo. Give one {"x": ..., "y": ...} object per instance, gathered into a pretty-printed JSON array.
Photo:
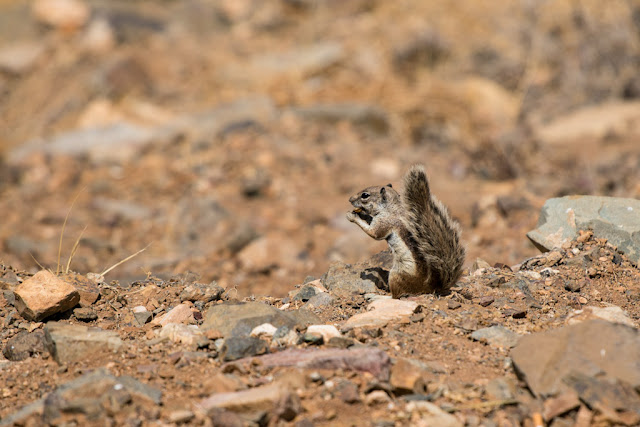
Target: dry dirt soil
[{"x": 261, "y": 118}]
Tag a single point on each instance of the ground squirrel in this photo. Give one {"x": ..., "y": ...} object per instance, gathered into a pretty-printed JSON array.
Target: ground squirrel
[{"x": 423, "y": 238}]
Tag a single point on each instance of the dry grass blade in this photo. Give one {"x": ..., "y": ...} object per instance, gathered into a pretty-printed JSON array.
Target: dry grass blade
[
  {"x": 36, "y": 261},
  {"x": 74, "y": 250},
  {"x": 124, "y": 260},
  {"x": 64, "y": 225}
]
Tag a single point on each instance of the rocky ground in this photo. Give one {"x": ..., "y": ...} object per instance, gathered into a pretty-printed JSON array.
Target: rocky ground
[{"x": 226, "y": 138}]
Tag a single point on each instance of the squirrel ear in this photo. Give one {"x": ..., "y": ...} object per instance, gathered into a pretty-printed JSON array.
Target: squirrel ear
[
  {"x": 383, "y": 193},
  {"x": 389, "y": 185}
]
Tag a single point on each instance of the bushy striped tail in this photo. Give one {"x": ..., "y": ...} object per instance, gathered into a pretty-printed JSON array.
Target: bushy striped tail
[{"x": 435, "y": 232}]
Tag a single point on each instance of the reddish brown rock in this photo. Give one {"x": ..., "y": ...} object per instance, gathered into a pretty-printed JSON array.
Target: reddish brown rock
[
  {"x": 43, "y": 295},
  {"x": 408, "y": 376}
]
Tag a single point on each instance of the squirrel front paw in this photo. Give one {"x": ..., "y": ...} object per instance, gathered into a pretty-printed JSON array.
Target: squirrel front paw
[{"x": 351, "y": 217}]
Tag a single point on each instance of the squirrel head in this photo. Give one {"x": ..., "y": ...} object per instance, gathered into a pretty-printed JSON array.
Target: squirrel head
[{"x": 374, "y": 200}]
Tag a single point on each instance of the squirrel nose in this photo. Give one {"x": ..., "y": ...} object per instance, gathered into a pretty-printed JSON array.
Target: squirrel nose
[{"x": 352, "y": 199}]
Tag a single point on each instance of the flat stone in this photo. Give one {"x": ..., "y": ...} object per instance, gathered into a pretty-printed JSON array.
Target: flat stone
[
  {"x": 201, "y": 292},
  {"x": 409, "y": 376},
  {"x": 235, "y": 348},
  {"x": 326, "y": 331},
  {"x": 432, "y": 415},
  {"x": 240, "y": 319},
  {"x": 43, "y": 295},
  {"x": 300, "y": 61},
  {"x": 542, "y": 360},
  {"x": 381, "y": 312},
  {"x": 264, "y": 398},
  {"x": 321, "y": 299},
  {"x": 372, "y": 360},
  {"x": 614, "y": 398},
  {"x": 181, "y": 313},
  {"x": 612, "y": 218},
  {"x": 182, "y": 334},
  {"x": 24, "y": 345},
  {"x": 181, "y": 416},
  {"x": 70, "y": 343},
  {"x": 496, "y": 336},
  {"x": 305, "y": 293},
  {"x": 88, "y": 394},
  {"x": 560, "y": 404},
  {"x": 612, "y": 314},
  {"x": 85, "y": 314}
]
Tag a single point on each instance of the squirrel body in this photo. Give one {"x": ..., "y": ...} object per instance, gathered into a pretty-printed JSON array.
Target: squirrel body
[{"x": 423, "y": 238}]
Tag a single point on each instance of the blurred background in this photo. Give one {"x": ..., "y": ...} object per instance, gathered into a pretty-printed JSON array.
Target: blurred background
[{"x": 230, "y": 134}]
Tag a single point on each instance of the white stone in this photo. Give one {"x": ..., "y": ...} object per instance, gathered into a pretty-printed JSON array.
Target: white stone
[
  {"x": 183, "y": 334},
  {"x": 265, "y": 330},
  {"x": 181, "y": 313},
  {"x": 381, "y": 312},
  {"x": 327, "y": 331},
  {"x": 613, "y": 314},
  {"x": 432, "y": 415},
  {"x": 376, "y": 397}
]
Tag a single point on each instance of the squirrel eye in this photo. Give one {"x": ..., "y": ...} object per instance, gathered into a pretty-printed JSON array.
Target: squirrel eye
[{"x": 365, "y": 196}]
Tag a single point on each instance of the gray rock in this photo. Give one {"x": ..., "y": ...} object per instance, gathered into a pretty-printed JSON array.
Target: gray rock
[
  {"x": 616, "y": 399},
  {"x": 240, "y": 319},
  {"x": 612, "y": 218},
  {"x": 91, "y": 394},
  {"x": 590, "y": 347},
  {"x": 364, "y": 359},
  {"x": 503, "y": 388},
  {"x": 235, "y": 348},
  {"x": 201, "y": 292},
  {"x": 302, "y": 60},
  {"x": 305, "y": 294},
  {"x": 85, "y": 314},
  {"x": 123, "y": 141},
  {"x": 116, "y": 142},
  {"x": 24, "y": 345},
  {"x": 320, "y": 299},
  {"x": 69, "y": 343},
  {"x": 268, "y": 398},
  {"x": 368, "y": 116},
  {"x": 360, "y": 278},
  {"x": 143, "y": 317},
  {"x": 496, "y": 336}
]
